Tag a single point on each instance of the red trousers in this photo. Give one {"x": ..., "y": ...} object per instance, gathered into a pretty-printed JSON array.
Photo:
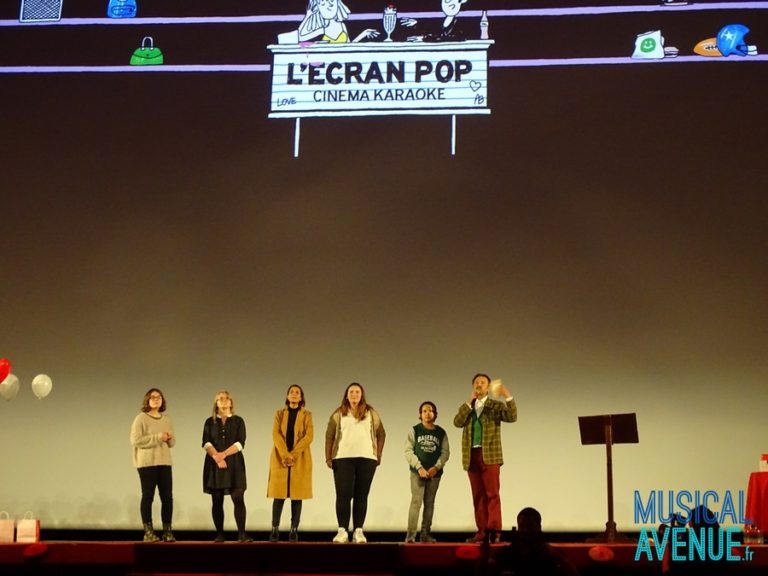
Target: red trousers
[{"x": 484, "y": 480}]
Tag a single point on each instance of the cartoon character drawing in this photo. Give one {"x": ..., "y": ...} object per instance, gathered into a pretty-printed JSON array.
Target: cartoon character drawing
[
  {"x": 448, "y": 30},
  {"x": 325, "y": 18}
]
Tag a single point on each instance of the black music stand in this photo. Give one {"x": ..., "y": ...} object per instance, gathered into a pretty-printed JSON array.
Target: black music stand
[{"x": 609, "y": 429}]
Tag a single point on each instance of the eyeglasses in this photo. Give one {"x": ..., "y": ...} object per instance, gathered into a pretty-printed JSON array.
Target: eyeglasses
[{"x": 155, "y": 397}]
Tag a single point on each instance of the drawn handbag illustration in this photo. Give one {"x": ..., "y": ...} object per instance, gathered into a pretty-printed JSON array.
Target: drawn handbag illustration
[
  {"x": 121, "y": 8},
  {"x": 7, "y": 528},
  {"x": 28, "y": 529},
  {"x": 40, "y": 11},
  {"x": 147, "y": 54}
]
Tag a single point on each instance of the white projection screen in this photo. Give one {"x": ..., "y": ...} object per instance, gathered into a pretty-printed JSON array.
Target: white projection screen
[{"x": 583, "y": 215}]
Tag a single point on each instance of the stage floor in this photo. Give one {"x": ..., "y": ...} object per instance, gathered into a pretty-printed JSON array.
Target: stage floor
[{"x": 309, "y": 558}]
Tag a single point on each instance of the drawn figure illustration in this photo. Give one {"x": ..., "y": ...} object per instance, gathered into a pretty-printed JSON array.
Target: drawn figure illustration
[
  {"x": 325, "y": 19},
  {"x": 448, "y": 32}
]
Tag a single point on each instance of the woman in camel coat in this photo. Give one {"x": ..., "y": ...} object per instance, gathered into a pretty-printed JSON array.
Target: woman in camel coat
[{"x": 290, "y": 461}]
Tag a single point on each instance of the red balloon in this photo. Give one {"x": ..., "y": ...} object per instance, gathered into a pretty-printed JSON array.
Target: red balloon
[{"x": 5, "y": 368}]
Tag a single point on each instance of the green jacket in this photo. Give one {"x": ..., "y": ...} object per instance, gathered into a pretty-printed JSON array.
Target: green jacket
[{"x": 494, "y": 413}]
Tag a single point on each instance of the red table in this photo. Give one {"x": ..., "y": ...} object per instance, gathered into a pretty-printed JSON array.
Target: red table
[{"x": 757, "y": 500}]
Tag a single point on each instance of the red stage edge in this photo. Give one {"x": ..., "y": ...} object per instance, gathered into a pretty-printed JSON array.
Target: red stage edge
[{"x": 312, "y": 558}]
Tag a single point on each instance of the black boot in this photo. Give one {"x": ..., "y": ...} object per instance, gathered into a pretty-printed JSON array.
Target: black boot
[
  {"x": 274, "y": 536},
  {"x": 219, "y": 536},
  {"x": 243, "y": 537},
  {"x": 149, "y": 533},
  {"x": 168, "y": 534},
  {"x": 293, "y": 535}
]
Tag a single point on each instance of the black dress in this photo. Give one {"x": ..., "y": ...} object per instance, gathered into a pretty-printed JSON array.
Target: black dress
[{"x": 222, "y": 436}]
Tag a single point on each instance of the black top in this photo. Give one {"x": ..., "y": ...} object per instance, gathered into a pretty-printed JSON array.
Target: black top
[
  {"x": 450, "y": 33},
  {"x": 289, "y": 433},
  {"x": 222, "y": 436}
]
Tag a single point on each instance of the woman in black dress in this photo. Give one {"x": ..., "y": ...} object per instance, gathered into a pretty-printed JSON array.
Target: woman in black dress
[{"x": 224, "y": 467}]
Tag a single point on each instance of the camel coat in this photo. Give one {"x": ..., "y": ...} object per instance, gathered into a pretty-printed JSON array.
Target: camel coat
[{"x": 301, "y": 471}]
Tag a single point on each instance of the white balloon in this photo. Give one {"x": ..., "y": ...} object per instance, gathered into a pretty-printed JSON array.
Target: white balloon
[
  {"x": 41, "y": 386},
  {"x": 9, "y": 387}
]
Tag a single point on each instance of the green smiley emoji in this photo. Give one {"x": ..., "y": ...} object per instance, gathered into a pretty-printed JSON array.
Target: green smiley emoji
[{"x": 648, "y": 45}]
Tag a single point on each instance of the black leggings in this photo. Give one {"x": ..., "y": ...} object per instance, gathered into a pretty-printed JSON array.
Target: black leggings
[
  {"x": 352, "y": 477},
  {"x": 159, "y": 477},
  {"x": 277, "y": 511},
  {"x": 217, "y": 508}
]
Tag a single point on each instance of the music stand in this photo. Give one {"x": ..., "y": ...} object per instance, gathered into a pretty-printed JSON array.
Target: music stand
[{"x": 609, "y": 429}]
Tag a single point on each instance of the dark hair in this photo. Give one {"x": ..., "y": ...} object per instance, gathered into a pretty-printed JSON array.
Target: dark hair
[
  {"x": 362, "y": 407},
  {"x": 531, "y": 516},
  {"x": 476, "y": 376},
  {"x": 702, "y": 517},
  {"x": 428, "y": 403},
  {"x": 145, "y": 404},
  {"x": 301, "y": 402}
]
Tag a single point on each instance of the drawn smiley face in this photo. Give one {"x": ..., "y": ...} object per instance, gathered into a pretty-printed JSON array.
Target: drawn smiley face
[{"x": 647, "y": 45}]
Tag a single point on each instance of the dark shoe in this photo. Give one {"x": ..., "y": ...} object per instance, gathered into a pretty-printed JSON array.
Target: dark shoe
[
  {"x": 426, "y": 538},
  {"x": 168, "y": 534},
  {"x": 476, "y": 539},
  {"x": 274, "y": 536},
  {"x": 219, "y": 537},
  {"x": 243, "y": 537},
  {"x": 293, "y": 535},
  {"x": 149, "y": 533}
]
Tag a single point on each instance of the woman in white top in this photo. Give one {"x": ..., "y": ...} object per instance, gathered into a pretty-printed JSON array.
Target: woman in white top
[
  {"x": 152, "y": 439},
  {"x": 354, "y": 441}
]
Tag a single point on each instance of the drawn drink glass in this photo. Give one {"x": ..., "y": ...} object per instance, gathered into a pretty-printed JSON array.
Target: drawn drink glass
[{"x": 390, "y": 21}]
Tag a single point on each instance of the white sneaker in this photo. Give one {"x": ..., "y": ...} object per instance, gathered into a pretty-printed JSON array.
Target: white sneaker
[
  {"x": 358, "y": 537},
  {"x": 341, "y": 537}
]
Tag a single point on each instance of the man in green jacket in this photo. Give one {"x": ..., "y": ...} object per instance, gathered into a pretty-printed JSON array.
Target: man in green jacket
[{"x": 481, "y": 418}]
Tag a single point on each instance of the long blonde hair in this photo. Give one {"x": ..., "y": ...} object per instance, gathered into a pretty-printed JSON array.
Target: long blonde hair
[{"x": 216, "y": 397}]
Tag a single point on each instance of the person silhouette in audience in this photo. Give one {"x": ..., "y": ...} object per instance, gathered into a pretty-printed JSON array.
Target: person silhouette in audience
[
  {"x": 529, "y": 554},
  {"x": 704, "y": 527}
]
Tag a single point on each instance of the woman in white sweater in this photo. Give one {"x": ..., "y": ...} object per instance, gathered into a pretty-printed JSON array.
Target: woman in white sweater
[
  {"x": 152, "y": 439},
  {"x": 354, "y": 441}
]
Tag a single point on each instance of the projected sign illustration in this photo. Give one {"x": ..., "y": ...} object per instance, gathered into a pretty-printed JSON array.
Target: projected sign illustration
[
  {"x": 318, "y": 70},
  {"x": 331, "y": 58}
]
